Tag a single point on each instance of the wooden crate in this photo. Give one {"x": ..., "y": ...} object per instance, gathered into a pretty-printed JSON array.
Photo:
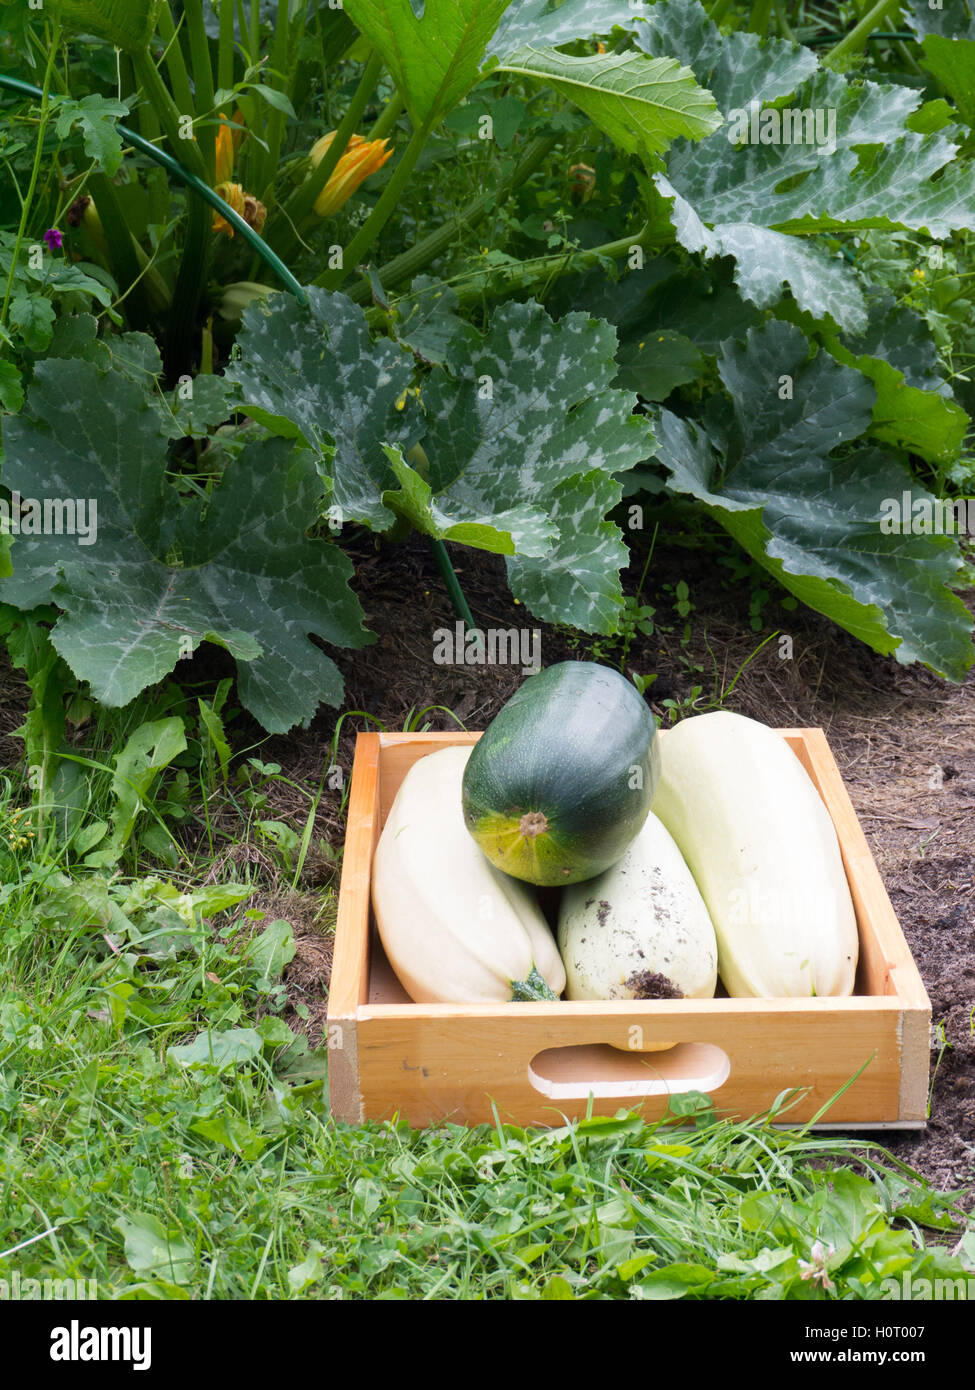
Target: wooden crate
[{"x": 540, "y": 1063}]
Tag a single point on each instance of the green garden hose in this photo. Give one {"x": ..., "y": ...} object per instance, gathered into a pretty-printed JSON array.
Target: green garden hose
[{"x": 172, "y": 166}]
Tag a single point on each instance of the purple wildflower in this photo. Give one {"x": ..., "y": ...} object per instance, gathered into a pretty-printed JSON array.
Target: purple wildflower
[{"x": 53, "y": 239}]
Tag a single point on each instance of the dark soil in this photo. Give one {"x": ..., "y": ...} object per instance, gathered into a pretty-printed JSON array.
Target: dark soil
[
  {"x": 650, "y": 984},
  {"x": 904, "y": 740}
]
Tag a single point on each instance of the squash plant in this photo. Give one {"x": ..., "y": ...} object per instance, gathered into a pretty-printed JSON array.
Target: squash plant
[{"x": 781, "y": 389}]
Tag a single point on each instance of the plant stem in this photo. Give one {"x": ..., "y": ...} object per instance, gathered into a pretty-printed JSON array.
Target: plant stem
[
  {"x": 125, "y": 264},
  {"x": 202, "y": 77},
  {"x": 274, "y": 129},
  {"x": 409, "y": 263},
  {"x": 255, "y": 29},
  {"x": 25, "y": 207},
  {"x": 782, "y": 19},
  {"x": 190, "y": 283},
  {"x": 242, "y": 29},
  {"x": 719, "y": 11},
  {"x": 179, "y": 78},
  {"x": 301, "y": 202},
  {"x": 512, "y": 279},
  {"x": 388, "y": 117},
  {"x": 760, "y": 16},
  {"x": 188, "y": 151},
  {"x": 377, "y": 219},
  {"x": 858, "y": 36},
  {"x": 193, "y": 260},
  {"x": 225, "y": 48},
  {"x": 908, "y": 57},
  {"x": 452, "y": 582}
]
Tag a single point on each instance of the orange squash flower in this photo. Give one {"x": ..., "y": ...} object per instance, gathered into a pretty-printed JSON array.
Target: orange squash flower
[
  {"x": 360, "y": 158},
  {"x": 244, "y": 204}
]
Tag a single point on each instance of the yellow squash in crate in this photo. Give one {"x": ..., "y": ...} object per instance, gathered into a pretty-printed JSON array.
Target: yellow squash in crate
[
  {"x": 640, "y": 930},
  {"x": 455, "y": 929},
  {"x": 764, "y": 853}
]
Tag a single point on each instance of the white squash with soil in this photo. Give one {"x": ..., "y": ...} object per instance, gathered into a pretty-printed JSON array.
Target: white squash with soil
[
  {"x": 455, "y": 929},
  {"x": 764, "y": 852},
  {"x": 640, "y": 930}
]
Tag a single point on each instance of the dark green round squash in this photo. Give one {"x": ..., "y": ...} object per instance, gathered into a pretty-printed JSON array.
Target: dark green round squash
[{"x": 562, "y": 779}]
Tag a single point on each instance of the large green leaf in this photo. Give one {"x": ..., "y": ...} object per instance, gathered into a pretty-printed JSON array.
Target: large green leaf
[
  {"x": 731, "y": 194},
  {"x": 948, "y": 44},
  {"x": 901, "y": 337},
  {"x": 317, "y": 374},
  {"x": 736, "y": 68},
  {"x": 502, "y": 532},
  {"x": 920, "y": 421},
  {"x": 657, "y": 363},
  {"x": 953, "y": 20},
  {"x": 515, "y": 448},
  {"x": 642, "y": 104},
  {"x": 237, "y": 568},
  {"x": 578, "y": 582},
  {"x": 433, "y": 48},
  {"x": 552, "y": 24},
  {"x": 431, "y": 326},
  {"x": 125, "y": 24},
  {"x": 664, "y": 298},
  {"x": 764, "y": 466},
  {"x": 766, "y": 261},
  {"x": 533, "y": 407},
  {"x": 914, "y": 409},
  {"x": 879, "y": 175},
  {"x": 952, "y": 63}
]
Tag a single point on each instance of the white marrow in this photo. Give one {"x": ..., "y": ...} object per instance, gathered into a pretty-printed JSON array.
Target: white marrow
[
  {"x": 762, "y": 847},
  {"x": 641, "y": 929},
  {"x": 455, "y": 929}
]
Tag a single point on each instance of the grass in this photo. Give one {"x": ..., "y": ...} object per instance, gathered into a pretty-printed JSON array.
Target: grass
[
  {"x": 214, "y": 1171},
  {"x": 165, "y": 1133}
]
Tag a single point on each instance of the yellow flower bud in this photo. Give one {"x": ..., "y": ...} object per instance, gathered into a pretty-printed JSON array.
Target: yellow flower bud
[
  {"x": 224, "y": 161},
  {"x": 360, "y": 158}
]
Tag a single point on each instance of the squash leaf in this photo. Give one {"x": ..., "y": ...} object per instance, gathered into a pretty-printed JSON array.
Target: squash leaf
[
  {"x": 552, "y": 24},
  {"x": 764, "y": 466},
  {"x": 861, "y": 166},
  {"x": 433, "y": 50},
  {"x": 641, "y": 103},
  {"x": 526, "y": 529},
  {"x": 316, "y": 374},
  {"x": 161, "y": 576},
  {"x": 871, "y": 171},
  {"x": 736, "y": 68},
  {"x": 525, "y": 409},
  {"x": 125, "y": 24},
  {"x": 948, "y": 45},
  {"x": 578, "y": 581},
  {"x": 527, "y": 440}
]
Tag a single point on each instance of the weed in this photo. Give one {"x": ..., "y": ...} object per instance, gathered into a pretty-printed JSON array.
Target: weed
[{"x": 941, "y": 1039}]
